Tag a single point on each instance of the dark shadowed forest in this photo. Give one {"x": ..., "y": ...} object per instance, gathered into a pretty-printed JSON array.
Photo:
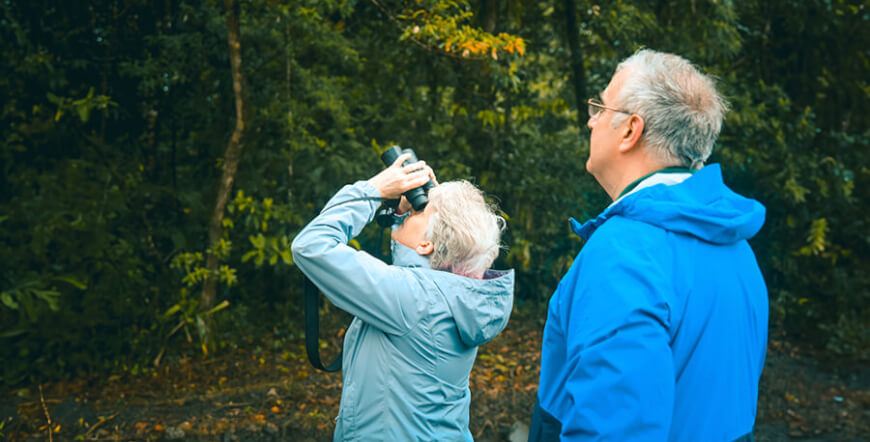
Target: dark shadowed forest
[{"x": 159, "y": 156}]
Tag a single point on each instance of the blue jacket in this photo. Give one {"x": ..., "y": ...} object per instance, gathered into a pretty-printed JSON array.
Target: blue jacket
[
  {"x": 659, "y": 329},
  {"x": 409, "y": 351}
]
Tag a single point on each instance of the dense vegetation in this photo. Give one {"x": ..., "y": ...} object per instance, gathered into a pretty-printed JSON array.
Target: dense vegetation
[{"x": 126, "y": 125}]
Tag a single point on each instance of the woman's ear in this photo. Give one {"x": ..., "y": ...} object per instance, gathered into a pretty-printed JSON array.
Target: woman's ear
[{"x": 424, "y": 247}]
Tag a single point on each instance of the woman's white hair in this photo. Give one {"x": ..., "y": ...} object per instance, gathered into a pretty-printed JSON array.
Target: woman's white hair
[
  {"x": 464, "y": 229},
  {"x": 680, "y": 107}
]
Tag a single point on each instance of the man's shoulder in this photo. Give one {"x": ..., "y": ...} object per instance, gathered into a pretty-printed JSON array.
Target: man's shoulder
[
  {"x": 623, "y": 232},
  {"x": 622, "y": 246},
  {"x": 622, "y": 271}
]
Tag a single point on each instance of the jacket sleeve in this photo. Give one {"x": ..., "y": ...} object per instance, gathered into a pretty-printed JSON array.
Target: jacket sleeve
[
  {"x": 381, "y": 295},
  {"x": 620, "y": 372}
]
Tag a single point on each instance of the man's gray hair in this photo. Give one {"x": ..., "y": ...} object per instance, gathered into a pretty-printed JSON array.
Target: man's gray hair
[
  {"x": 464, "y": 229},
  {"x": 680, "y": 107}
]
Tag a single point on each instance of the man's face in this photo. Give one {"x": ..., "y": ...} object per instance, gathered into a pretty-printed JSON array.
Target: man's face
[{"x": 604, "y": 138}]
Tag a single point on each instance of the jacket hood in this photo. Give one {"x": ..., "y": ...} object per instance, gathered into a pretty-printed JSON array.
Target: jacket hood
[
  {"x": 480, "y": 307},
  {"x": 701, "y": 206}
]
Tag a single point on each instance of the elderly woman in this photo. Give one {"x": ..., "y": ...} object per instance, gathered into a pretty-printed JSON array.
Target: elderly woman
[{"x": 417, "y": 323}]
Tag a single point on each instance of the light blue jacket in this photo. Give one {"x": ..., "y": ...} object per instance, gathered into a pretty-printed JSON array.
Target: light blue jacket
[
  {"x": 409, "y": 351},
  {"x": 659, "y": 329}
]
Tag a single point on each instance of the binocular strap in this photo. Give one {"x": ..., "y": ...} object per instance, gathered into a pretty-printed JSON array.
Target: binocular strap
[{"x": 312, "y": 329}]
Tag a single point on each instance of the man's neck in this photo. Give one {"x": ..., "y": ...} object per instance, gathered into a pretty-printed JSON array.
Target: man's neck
[{"x": 630, "y": 175}]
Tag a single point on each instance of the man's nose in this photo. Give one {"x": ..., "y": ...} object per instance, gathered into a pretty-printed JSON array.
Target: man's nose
[{"x": 590, "y": 123}]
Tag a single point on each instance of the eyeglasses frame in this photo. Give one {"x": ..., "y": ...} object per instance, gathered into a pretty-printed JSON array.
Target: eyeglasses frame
[{"x": 595, "y": 103}]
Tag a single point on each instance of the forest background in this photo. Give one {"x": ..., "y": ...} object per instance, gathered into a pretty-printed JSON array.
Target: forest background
[{"x": 158, "y": 156}]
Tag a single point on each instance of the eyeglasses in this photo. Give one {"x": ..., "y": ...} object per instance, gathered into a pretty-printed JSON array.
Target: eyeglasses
[{"x": 596, "y": 107}]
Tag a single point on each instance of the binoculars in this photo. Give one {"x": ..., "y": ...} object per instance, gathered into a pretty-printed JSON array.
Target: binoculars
[{"x": 418, "y": 197}]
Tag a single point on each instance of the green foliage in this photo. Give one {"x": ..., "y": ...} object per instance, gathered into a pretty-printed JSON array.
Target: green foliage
[
  {"x": 115, "y": 119},
  {"x": 186, "y": 311},
  {"x": 793, "y": 141},
  {"x": 82, "y": 107},
  {"x": 441, "y": 24}
]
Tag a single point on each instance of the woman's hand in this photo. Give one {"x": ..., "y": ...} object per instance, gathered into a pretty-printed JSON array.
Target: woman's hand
[{"x": 395, "y": 180}]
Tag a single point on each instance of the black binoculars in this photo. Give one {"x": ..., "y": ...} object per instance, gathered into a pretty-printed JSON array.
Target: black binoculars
[{"x": 418, "y": 197}]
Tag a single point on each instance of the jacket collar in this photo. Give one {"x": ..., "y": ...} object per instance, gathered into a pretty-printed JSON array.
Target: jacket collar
[
  {"x": 405, "y": 256},
  {"x": 585, "y": 230}
]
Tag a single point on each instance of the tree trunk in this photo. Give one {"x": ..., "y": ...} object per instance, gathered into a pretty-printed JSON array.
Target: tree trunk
[
  {"x": 490, "y": 17},
  {"x": 231, "y": 157},
  {"x": 577, "y": 71}
]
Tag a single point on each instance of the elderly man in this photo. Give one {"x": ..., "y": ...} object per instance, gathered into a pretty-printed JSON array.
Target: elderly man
[
  {"x": 409, "y": 351},
  {"x": 659, "y": 329}
]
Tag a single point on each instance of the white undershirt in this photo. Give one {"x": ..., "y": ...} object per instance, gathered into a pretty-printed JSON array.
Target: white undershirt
[{"x": 668, "y": 179}]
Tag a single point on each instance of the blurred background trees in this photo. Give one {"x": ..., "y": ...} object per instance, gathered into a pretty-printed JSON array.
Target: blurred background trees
[{"x": 117, "y": 114}]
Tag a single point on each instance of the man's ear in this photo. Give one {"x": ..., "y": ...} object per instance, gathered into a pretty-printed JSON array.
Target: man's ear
[
  {"x": 424, "y": 248},
  {"x": 631, "y": 133}
]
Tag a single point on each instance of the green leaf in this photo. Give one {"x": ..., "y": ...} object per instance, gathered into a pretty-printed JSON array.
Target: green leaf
[
  {"x": 224, "y": 304},
  {"x": 73, "y": 282},
  {"x": 8, "y": 301},
  {"x": 49, "y": 296},
  {"x": 12, "y": 333},
  {"x": 258, "y": 241},
  {"x": 84, "y": 112},
  {"x": 172, "y": 310},
  {"x": 248, "y": 256}
]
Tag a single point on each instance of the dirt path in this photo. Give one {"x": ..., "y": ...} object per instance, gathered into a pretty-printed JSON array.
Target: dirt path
[{"x": 266, "y": 395}]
